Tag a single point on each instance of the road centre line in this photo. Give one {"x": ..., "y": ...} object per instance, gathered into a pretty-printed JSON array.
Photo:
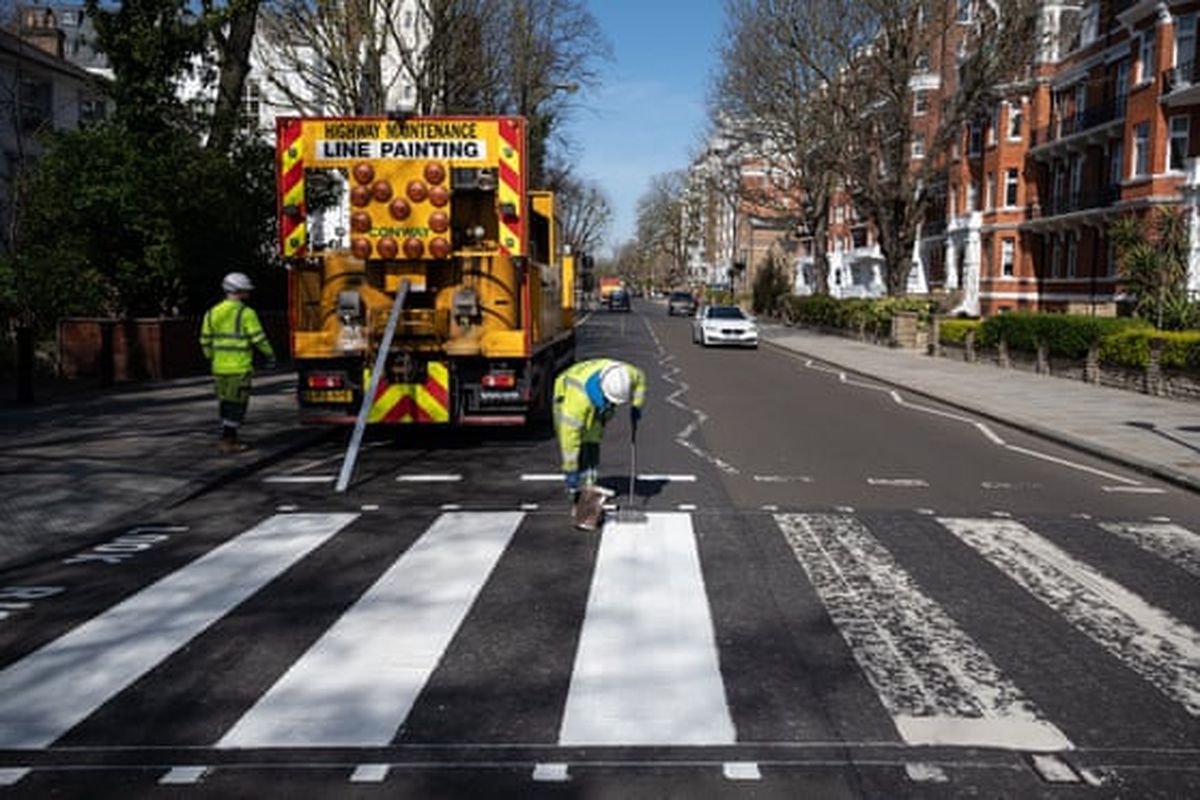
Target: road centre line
[
  {"x": 1134, "y": 489},
  {"x": 299, "y": 479},
  {"x": 646, "y": 669},
  {"x": 1147, "y": 639},
  {"x": 48, "y": 692},
  {"x": 903, "y": 482},
  {"x": 429, "y": 478},
  {"x": 357, "y": 683}
]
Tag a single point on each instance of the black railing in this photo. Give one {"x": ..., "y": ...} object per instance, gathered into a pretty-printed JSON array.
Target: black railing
[
  {"x": 1181, "y": 76},
  {"x": 1080, "y": 201},
  {"x": 1071, "y": 124}
]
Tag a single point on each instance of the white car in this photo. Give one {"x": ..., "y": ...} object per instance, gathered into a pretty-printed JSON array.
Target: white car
[{"x": 724, "y": 325}]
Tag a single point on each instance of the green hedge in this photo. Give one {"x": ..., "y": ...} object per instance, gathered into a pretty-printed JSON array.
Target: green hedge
[
  {"x": 1065, "y": 335},
  {"x": 1131, "y": 348},
  {"x": 954, "y": 331},
  {"x": 869, "y": 315}
]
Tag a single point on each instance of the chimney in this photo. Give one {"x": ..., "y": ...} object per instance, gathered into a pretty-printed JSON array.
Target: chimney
[{"x": 39, "y": 27}]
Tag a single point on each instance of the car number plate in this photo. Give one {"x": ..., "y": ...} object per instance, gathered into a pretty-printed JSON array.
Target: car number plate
[{"x": 329, "y": 396}]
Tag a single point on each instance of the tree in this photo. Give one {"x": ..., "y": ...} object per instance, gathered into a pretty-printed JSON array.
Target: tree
[
  {"x": 666, "y": 224},
  {"x": 231, "y": 29},
  {"x": 786, "y": 118},
  {"x": 771, "y": 285},
  {"x": 460, "y": 56},
  {"x": 1153, "y": 254},
  {"x": 583, "y": 209}
]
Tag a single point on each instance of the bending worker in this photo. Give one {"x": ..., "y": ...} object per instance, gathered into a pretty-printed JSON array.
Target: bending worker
[
  {"x": 586, "y": 395},
  {"x": 229, "y": 335}
]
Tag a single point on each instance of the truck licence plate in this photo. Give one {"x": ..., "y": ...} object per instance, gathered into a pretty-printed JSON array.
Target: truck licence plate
[{"x": 329, "y": 396}]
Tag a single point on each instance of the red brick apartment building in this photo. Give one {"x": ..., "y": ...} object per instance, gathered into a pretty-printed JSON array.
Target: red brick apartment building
[
  {"x": 1103, "y": 129},
  {"x": 1105, "y": 124}
]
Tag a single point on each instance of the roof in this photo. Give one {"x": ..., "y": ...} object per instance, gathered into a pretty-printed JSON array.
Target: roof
[{"x": 13, "y": 46}]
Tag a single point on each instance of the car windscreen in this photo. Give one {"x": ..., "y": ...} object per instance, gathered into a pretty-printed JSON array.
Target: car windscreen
[
  {"x": 725, "y": 312},
  {"x": 684, "y": 296}
]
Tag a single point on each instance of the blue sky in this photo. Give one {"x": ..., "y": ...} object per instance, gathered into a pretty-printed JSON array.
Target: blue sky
[{"x": 649, "y": 116}]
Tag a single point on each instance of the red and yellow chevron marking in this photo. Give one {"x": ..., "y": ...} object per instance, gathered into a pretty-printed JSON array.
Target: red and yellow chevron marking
[
  {"x": 290, "y": 185},
  {"x": 427, "y": 402},
  {"x": 512, "y": 185}
]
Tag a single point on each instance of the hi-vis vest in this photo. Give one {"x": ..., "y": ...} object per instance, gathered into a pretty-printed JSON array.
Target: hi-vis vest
[
  {"x": 576, "y": 419},
  {"x": 228, "y": 336}
]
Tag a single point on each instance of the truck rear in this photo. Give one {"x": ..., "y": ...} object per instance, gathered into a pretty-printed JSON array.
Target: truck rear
[{"x": 436, "y": 209}]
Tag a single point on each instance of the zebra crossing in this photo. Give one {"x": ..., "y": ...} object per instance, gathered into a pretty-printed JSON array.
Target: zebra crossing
[{"x": 645, "y": 652}]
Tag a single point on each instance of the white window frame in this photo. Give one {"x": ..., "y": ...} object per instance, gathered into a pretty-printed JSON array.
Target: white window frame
[
  {"x": 1116, "y": 163},
  {"x": 918, "y": 145},
  {"x": 989, "y": 192},
  {"x": 1145, "y": 57},
  {"x": 1122, "y": 85},
  {"x": 972, "y": 196},
  {"x": 1016, "y": 120},
  {"x": 1139, "y": 166},
  {"x": 920, "y": 102},
  {"x": 1185, "y": 40},
  {"x": 1007, "y": 257},
  {"x": 1089, "y": 23},
  {"x": 1177, "y": 149},
  {"x": 1012, "y": 187}
]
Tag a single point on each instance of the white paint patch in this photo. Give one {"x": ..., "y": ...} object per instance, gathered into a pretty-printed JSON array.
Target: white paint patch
[
  {"x": 646, "y": 670},
  {"x": 1145, "y": 638},
  {"x": 940, "y": 687},
  {"x": 370, "y": 773},
  {"x": 770, "y": 507},
  {"x": 1054, "y": 770},
  {"x": 287, "y": 508},
  {"x": 543, "y": 477},
  {"x": 686, "y": 506},
  {"x": 901, "y": 482},
  {"x": 183, "y": 776},
  {"x": 450, "y": 507},
  {"x": 667, "y": 478},
  {"x": 357, "y": 683},
  {"x": 10, "y": 776},
  {"x": 923, "y": 772},
  {"x": 844, "y": 509},
  {"x": 783, "y": 479},
  {"x": 1002, "y": 514},
  {"x": 551, "y": 773},
  {"x": 299, "y": 479},
  {"x": 1133, "y": 489},
  {"x": 741, "y": 771},
  {"x": 926, "y": 512},
  {"x": 529, "y": 506},
  {"x": 1171, "y": 542},
  {"x": 48, "y": 692},
  {"x": 438, "y": 478},
  {"x": 370, "y": 507}
]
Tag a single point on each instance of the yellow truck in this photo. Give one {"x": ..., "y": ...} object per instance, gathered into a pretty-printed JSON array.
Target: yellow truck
[{"x": 440, "y": 249}]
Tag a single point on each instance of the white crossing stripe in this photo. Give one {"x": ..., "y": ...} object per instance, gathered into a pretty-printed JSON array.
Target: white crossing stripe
[
  {"x": 1145, "y": 638},
  {"x": 357, "y": 683},
  {"x": 646, "y": 671},
  {"x": 940, "y": 687},
  {"x": 45, "y": 694},
  {"x": 183, "y": 776},
  {"x": 10, "y": 776},
  {"x": 1173, "y": 543}
]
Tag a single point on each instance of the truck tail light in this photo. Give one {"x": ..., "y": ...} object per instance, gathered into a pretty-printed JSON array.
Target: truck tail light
[
  {"x": 499, "y": 380},
  {"x": 319, "y": 381}
]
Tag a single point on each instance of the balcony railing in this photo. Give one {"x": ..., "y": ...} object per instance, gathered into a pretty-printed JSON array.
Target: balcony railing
[
  {"x": 1071, "y": 124},
  {"x": 1177, "y": 77},
  {"x": 1081, "y": 201}
]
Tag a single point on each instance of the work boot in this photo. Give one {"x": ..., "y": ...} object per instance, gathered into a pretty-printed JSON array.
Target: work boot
[
  {"x": 589, "y": 509},
  {"x": 230, "y": 444}
]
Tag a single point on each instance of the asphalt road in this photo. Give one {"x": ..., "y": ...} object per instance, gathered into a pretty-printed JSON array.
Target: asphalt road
[{"x": 838, "y": 591}]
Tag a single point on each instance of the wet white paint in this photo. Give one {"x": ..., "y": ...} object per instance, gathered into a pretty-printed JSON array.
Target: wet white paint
[
  {"x": 940, "y": 687},
  {"x": 183, "y": 776},
  {"x": 429, "y": 478},
  {"x": 741, "y": 771},
  {"x": 646, "y": 671},
  {"x": 551, "y": 773},
  {"x": 45, "y": 694},
  {"x": 357, "y": 683},
  {"x": 370, "y": 773},
  {"x": 1145, "y": 638}
]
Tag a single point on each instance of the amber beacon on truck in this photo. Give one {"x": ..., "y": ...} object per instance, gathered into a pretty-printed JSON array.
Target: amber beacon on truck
[{"x": 430, "y": 216}]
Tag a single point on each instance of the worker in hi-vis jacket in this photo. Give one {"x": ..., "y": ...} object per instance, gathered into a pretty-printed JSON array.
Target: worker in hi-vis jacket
[{"x": 586, "y": 395}]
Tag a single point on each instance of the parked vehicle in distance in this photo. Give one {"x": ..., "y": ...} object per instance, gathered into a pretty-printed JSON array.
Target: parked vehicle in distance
[
  {"x": 724, "y": 325},
  {"x": 681, "y": 303},
  {"x": 618, "y": 300}
]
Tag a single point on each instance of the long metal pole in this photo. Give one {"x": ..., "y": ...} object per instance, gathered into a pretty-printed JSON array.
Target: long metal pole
[{"x": 360, "y": 424}]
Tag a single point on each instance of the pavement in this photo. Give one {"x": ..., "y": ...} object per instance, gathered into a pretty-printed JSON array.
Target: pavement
[{"x": 81, "y": 462}]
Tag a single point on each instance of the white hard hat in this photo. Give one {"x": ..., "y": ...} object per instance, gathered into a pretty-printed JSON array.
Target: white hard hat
[
  {"x": 616, "y": 383},
  {"x": 237, "y": 282}
]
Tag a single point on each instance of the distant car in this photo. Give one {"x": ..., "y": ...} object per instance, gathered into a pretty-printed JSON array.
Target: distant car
[
  {"x": 681, "y": 303},
  {"x": 618, "y": 300},
  {"x": 724, "y": 325}
]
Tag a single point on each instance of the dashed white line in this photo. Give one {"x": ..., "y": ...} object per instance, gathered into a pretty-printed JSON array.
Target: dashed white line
[
  {"x": 299, "y": 479},
  {"x": 430, "y": 478},
  {"x": 1134, "y": 489},
  {"x": 899, "y": 482}
]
